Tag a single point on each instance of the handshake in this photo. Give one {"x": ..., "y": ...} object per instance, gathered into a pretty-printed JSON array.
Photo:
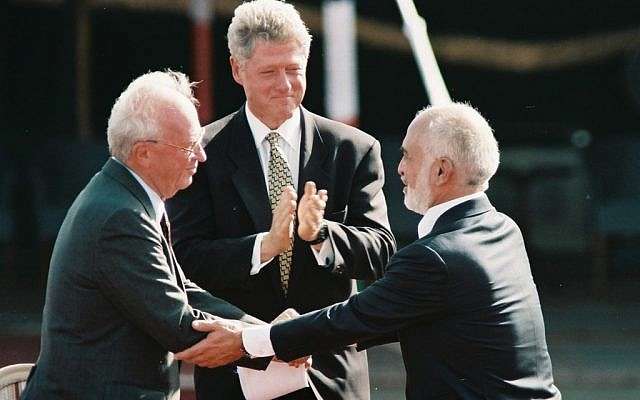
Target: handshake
[{"x": 224, "y": 345}]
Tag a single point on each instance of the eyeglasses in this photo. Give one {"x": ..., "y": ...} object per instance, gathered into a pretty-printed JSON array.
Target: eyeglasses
[{"x": 192, "y": 149}]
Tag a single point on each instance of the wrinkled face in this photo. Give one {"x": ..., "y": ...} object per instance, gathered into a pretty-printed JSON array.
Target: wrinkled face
[
  {"x": 274, "y": 80},
  {"x": 414, "y": 170},
  {"x": 173, "y": 165}
]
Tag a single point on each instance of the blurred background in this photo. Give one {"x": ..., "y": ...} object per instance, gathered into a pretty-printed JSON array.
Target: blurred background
[{"x": 559, "y": 82}]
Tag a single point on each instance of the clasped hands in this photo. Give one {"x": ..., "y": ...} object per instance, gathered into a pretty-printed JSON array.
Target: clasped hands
[
  {"x": 223, "y": 343},
  {"x": 310, "y": 212}
]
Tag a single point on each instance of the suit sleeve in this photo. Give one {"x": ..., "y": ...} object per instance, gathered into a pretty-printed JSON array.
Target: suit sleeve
[
  {"x": 413, "y": 289},
  {"x": 205, "y": 301},
  {"x": 364, "y": 243},
  {"x": 212, "y": 261},
  {"x": 137, "y": 278}
]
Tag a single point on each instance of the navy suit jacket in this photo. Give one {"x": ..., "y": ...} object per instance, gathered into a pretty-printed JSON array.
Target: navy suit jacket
[{"x": 463, "y": 304}]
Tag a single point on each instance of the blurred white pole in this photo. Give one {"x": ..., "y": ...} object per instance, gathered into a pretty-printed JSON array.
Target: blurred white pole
[
  {"x": 415, "y": 29},
  {"x": 340, "y": 61}
]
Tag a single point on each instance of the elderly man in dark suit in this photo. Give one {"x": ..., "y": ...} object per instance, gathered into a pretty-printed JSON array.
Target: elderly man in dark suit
[
  {"x": 118, "y": 303},
  {"x": 233, "y": 235},
  {"x": 461, "y": 299}
]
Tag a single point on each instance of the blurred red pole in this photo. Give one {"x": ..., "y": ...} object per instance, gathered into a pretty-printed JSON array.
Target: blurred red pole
[{"x": 201, "y": 12}]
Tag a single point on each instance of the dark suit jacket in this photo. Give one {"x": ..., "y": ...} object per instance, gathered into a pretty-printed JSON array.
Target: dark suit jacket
[
  {"x": 215, "y": 222},
  {"x": 117, "y": 301},
  {"x": 463, "y": 304}
]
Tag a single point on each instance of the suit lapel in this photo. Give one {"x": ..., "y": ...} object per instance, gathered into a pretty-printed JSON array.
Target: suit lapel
[
  {"x": 120, "y": 173},
  {"x": 313, "y": 154},
  {"x": 248, "y": 178}
]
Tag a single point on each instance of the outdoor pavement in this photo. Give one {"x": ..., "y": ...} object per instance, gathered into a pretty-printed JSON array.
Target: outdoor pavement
[{"x": 594, "y": 347}]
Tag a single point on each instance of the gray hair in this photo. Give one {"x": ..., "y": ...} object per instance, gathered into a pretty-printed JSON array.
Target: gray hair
[
  {"x": 459, "y": 132},
  {"x": 134, "y": 115},
  {"x": 268, "y": 20}
]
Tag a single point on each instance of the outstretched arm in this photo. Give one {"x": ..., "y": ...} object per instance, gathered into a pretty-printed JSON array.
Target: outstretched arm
[{"x": 413, "y": 289}]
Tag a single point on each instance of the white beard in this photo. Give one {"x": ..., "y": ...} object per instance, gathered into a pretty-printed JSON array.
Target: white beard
[{"x": 415, "y": 202}]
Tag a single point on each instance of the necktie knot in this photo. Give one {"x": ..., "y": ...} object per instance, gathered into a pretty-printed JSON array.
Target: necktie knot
[{"x": 272, "y": 138}]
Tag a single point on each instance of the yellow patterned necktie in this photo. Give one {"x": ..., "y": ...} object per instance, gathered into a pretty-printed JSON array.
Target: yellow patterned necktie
[{"x": 279, "y": 177}]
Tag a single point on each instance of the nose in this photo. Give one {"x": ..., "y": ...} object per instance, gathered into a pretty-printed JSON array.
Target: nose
[
  {"x": 401, "y": 167},
  {"x": 283, "y": 83},
  {"x": 201, "y": 156}
]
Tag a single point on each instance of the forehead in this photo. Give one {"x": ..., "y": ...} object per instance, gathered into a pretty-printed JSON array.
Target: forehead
[
  {"x": 268, "y": 53},
  {"x": 411, "y": 139},
  {"x": 179, "y": 120},
  {"x": 418, "y": 130}
]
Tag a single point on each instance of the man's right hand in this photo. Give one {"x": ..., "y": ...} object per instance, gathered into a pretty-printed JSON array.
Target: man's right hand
[
  {"x": 288, "y": 315},
  {"x": 222, "y": 345},
  {"x": 278, "y": 239}
]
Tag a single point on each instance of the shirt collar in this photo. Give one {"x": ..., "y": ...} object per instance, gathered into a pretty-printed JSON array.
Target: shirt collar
[
  {"x": 429, "y": 219},
  {"x": 289, "y": 130},
  {"x": 156, "y": 201}
]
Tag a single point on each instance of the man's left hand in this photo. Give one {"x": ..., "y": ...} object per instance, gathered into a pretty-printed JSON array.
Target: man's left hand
[
  {"x": 222, "y": 345},
  {"x": 311, "y": 211}
]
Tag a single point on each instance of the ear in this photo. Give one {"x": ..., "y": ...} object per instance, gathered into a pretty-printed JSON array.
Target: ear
[
  {"x": 140, "y": 154},
  {"x": 235, "y": 70},
  {"x": 442, "y": 171}
]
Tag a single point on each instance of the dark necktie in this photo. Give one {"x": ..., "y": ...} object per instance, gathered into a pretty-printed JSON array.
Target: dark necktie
[
  {"x": 165, "y": 225},
  {"x": 166, "y": 228},
  {"x": 279, "y": 177}
]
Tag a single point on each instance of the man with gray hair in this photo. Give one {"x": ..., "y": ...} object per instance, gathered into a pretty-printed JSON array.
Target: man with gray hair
[
  {"x": 234, "y": 227},
  {"x": 461, "y": 299},
  {"x": 118, "y": 304}
]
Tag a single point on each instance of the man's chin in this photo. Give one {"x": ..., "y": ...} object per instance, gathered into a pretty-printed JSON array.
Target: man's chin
[
  {"x": 185, "y": 183},
  {"x": 407, "y": 203},
  {"x": 286, "y": 108},
  {"x": 411, "y": 206},
  {"x": 285, "y": 113}
]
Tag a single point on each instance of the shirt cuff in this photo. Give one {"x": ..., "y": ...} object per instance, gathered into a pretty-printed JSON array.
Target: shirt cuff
[
  {"x": 256, "y": 265},
  {"x": 325, "y": 256},
  {"x": 257, "y": 341}
]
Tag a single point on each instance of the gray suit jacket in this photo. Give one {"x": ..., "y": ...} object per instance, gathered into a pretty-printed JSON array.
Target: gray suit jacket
[{"x": 117, "y": 301}]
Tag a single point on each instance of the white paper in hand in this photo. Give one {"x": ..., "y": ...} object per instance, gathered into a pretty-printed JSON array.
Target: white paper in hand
[{"x": 277, "y": 380}]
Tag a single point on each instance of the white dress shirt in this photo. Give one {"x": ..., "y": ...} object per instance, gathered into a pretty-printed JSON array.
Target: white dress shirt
[
  {"x": 257, "y": 339},
  {"x": 289, "y": 145},
  {"x": 431, "y": 216}
]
